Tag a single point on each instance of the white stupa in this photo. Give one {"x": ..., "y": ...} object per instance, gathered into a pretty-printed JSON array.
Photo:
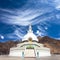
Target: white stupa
[
  {"x": 29, "y": 48},
  {"x": 30, "y": 34}
]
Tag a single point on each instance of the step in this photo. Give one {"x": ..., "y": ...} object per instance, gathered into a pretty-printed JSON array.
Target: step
[{"x": 29, "y": 53}]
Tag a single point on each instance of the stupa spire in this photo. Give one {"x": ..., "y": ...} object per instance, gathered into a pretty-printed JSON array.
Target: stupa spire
[{"x": 30, "y": 28}]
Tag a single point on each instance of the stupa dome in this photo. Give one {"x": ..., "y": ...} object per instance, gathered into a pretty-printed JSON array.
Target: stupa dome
[{"x": 30, "y": 34}]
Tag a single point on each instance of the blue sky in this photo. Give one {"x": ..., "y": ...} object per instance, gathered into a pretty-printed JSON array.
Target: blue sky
[{"x": 16, "y": 15}]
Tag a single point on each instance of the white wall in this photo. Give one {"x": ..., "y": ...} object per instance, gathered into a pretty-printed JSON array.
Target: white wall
[
  {"x": 40, "y": 53},
  {"x": 16, "y": 53}
]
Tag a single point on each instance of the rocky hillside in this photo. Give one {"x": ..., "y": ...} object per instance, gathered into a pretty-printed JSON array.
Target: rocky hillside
[
  {"x": 51, "y": 43},
  {"x": 5, "y": 47}
]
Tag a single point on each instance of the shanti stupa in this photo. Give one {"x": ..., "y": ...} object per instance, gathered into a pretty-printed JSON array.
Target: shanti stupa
[{"x": 29, "y": 47}]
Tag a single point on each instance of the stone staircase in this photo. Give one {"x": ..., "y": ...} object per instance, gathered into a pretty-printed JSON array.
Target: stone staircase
[{"x": 29, "y": 53}]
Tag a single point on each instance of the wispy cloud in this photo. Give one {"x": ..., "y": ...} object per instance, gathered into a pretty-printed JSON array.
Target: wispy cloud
[
  {"x": 57, "y": 4},
  {"x": 42, "y": 31},
  {"x": 15, "y": 35},
  {"x": 28, "y": 14},
  {"x": 18, "y": 33}
]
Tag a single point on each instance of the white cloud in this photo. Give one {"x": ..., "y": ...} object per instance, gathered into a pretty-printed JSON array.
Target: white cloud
[
  {"x": 25, "y": 16},
  {"x": 58, "y": 16},
  {"x": 39, "y": 33},
  {"x": 19, "y": 34},
  {"x": 42, "y": 31},
  {"x": 58, "y": 7},
  {"x": 1, "y": 36},
  {"x": 46, "y": 27},
  {"x": 57, "y": 4},
  {"x": 15, "y": 35}
]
